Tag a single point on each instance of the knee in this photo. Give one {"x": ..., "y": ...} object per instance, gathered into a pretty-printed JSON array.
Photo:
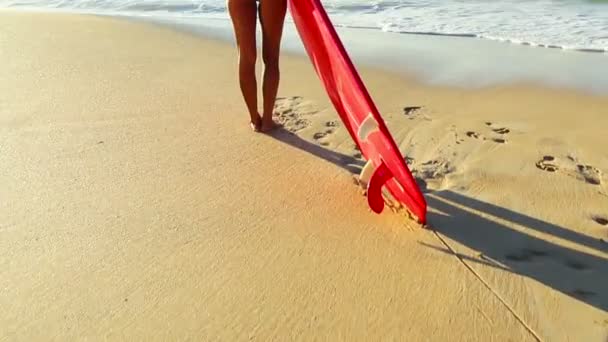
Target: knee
[{"x": 271, "y": 63}]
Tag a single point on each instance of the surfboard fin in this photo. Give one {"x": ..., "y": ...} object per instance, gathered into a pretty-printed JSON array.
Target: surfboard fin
[{"x": 374, "y": 188}]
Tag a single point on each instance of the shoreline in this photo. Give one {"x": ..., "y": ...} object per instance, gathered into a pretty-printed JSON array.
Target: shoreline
[
  {"x": 472, "y": 67},
  {"x": 176, "y": 17},
  {"x": 141, "y": 206},
  {"x": 435, "y": 60}
]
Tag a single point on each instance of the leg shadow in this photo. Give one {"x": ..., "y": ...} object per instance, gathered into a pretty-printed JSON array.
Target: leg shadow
[
  {"x": 348, "y": 163},
  {"x": 477, "y": 225}
]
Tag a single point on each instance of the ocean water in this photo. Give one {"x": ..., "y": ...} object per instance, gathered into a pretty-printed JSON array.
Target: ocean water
[{"x": 564, "y": 24}]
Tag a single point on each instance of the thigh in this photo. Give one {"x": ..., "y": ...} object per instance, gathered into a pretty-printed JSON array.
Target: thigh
[
  {"x": 243, "y": 15},
  {"x": 272, "y": 18}
]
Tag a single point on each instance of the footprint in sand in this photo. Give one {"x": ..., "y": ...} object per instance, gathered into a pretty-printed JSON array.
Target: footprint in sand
[
  {"x": 576, "y": 265},
  {"x": 433, "y": 169},
  {"x": 319, "y": 136},
  {"x": 587, "y": 173},
  {"x": 590, "y": 174},
  {"x": 582, "y": 294},
  {"x": 546, "y": 164},
  {"x": 601, "y": 220},
  {"x": 411, "y": 110},
  {"x": 518, "y": 257},
  {"x": 472, "y": 134},
  {"x": 498, "y": 130},
  {"x": 333, "y": 123},
  {"x": 501, "y": 130},
  {"x": 417, "y": 113},
  {"x": 291, "y": 113},
  {"x": 526, "y": 255},
  {"x": 475, "y": 135}
]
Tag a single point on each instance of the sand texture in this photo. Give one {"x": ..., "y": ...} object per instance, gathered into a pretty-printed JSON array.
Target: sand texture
[{"x": 137, "y": 204}]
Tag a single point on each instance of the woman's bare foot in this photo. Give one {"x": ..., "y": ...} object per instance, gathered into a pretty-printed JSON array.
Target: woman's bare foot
[
  {"x": 256, "y": 123},
  {"x": 268, "y": 125}
]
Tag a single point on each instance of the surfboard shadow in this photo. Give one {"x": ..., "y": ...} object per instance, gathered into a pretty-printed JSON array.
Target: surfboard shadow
[{"x": 477, "y": 225}]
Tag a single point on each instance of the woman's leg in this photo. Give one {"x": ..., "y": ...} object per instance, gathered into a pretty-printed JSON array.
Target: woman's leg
[
  {"x": 272, "y": 18},
  {"x": 243, "y": 14}
]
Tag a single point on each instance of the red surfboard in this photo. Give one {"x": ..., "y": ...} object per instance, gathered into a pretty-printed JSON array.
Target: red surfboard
[{"x": 356, "y": 109}]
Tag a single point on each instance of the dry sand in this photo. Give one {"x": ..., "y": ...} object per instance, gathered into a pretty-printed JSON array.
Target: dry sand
[{"x": 137, "y": 204}]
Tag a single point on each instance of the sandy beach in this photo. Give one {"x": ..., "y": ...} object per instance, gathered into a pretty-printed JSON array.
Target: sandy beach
[{"x": 137, "y": 204}]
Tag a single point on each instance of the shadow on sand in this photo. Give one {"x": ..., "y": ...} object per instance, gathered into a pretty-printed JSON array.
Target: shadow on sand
[
  {"x": 488, "y": 229},
  {"x": 350, "y": 164}
]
